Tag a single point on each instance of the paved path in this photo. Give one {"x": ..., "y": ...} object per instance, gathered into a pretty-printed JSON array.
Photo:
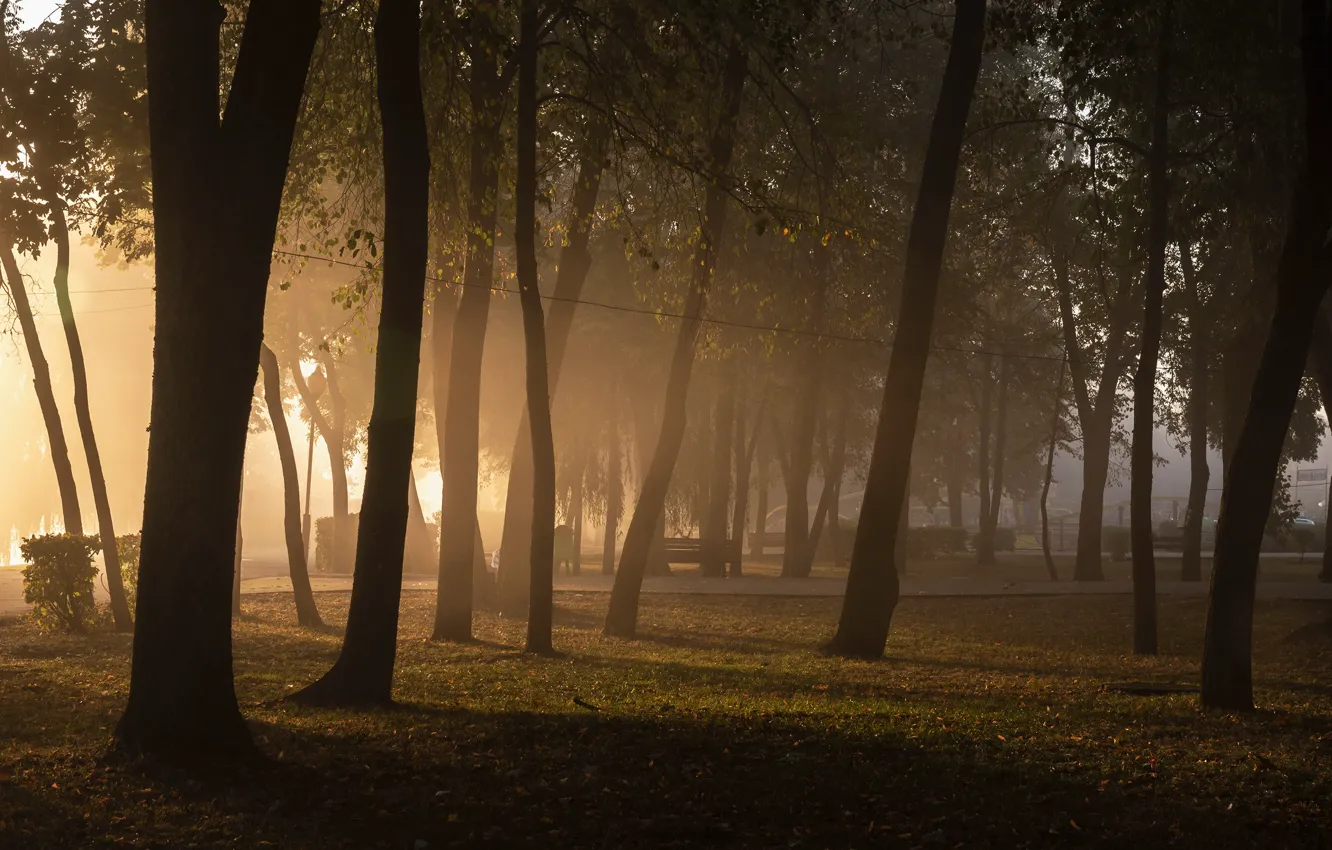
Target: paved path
[{"x": 268, "y": 577}]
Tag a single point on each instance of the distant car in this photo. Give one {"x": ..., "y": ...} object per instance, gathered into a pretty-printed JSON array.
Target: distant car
[
  {"x": 1303, "y": 520},
  {"x": 494, "y": 562}
]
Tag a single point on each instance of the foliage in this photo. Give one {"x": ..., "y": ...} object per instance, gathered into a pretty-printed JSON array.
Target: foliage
[
  {"x": 930, "y": 541},
  {"x": 323, "y": 531},
  {"x": 128, "y": 546},
  {"x": 58, "y": 581},
  {"x": 1116, "y": 539}
]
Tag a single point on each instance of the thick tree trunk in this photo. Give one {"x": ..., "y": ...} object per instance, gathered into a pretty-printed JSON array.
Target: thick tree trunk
[
  {"x": 217, "y": 189},
  {"x": 872, "y": 585},
  {"x": 41, "y": 381},
  {"x": 1199, "y": 473},
  {"x": 1302, "y": 283},
  {"x": 575, "y": 261},
  {"x": 237, "y": 560},
  {"x": 106, "y": 528},
  {"x": 307, "y": 614},
  {"x": 363, "y": 673},
  {"x": 984, "y": 532},
  {"x": 1095, "y": 472},
  {"x": 1144, "y": 381},
  {"x": 646, "y": 434},
  {"x": 832, "y": 480},
  {"x": 713, "y": 546},
  {"x": 542, "y": 604},
  {"x": 622, "y": 618},
  {"x": 459, "y": 460}
]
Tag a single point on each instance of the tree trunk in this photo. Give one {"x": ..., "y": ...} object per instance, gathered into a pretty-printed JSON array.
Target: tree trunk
[
  {"x": 872, "y": 585},
  {"x": 984, "y": 531},
  {"x": 575, "y": 261},
  {"x": 955, "y": 485},
  {"x": 1000, "y": 452},
  {"x": 761, "y": 493},
  {"x": 1144, "y": 381},
  {"x": 363, "y": 673},
  {"x": 798, "y": 550},
  {"x": 745, "y": 446},
  {"x": 1302, "y": 283},
  {"x": 238, "y": 559},
  {"x": 420, "y": 548},
  {"x": 217, "y": 190},
  {"x": 622, "y": 618},
  {"x": 41, "y": 381},
  {"x": 832, "y": 479},
  {"x": 1199, "y": 474},
  {"x": 713, "y": 547},
  {"x": 461, "y": 424},
  {"x": 576, "y": 514},
  {"x": 541, "y": 597},
  {"x": 337, "y": 462},
  {"x": 1049, "y": 474},
  {"x": 307, "y": 614},
  {"x": 105, "y": 525},
  {"x": 614, "y": 489},
  {"x": 645, "y": 441}
]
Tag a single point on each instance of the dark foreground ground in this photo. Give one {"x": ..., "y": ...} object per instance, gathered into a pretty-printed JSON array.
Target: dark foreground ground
[{"x": 987, "y": 726}]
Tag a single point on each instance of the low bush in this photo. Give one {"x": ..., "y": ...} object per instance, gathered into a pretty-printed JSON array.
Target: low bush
[
  {"x": 58, "y": 581},
  {"x": 1116, "y": 539},
  {"x": 1005, "y": 539},
  {"x": 127, "y": 546},
  {"x": 930, "y": 541}
]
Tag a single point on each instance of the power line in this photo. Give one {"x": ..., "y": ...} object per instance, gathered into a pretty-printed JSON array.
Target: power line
[{"x": 720, "y": 322}]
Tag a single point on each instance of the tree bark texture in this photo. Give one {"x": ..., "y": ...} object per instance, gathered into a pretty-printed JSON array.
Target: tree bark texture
[
  {"x": 1199, "y": 474},
  {"x": 872, "y": 584}
]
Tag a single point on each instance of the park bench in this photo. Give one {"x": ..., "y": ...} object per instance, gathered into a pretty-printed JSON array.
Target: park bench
[{"x": 683, "y": 550}]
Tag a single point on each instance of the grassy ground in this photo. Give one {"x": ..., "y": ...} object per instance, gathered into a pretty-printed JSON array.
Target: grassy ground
[{"x": 987, "y": 726}]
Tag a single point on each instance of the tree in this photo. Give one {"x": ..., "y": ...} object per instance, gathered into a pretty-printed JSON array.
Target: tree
[
  {"x": 1144, "y": 380},
  {"x": 487, "y": 87},
  {"x": 307, "y": 613},
  {"x": 1302, "y": 282},
  {"x": 872, "y": 584},
  {"x": 622, "y": 618},
  {"x": 363, "y": 673},
  {"x": 217, "y": 181},
  {"x": 41, "y": 381}
]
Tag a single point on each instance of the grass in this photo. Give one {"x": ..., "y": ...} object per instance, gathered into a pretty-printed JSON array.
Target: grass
[{"x": 986, "y": 726}]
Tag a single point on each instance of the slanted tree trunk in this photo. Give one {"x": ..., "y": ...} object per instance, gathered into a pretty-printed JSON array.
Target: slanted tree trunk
[
  {"x": 575, "y": 261},
  {"x": 240, "y": 546},
  {"x": 332, "y": 432},
  {"x": 307, "y": 614},
  {"x": 217, "y": 189},
  {"x": 1049, "y": 473},
  {"x": 1302, "y": 283},
  {"x": 646, "y": 434},
  {"x": 834, "y": 463},
  {"x": 459, "y": 460},
  {"x": 622, "y": 618},
  {"x": 363, "y": 673},
  {"x": 1144, "y": 381},
  {"x": 1320, "y": 366},
  {"x": 872, "y": 585},
  {"x": 713, "y": 546},
  {"x": 614, "y": 488},
  {"x": 1199, "y": 473},
  {"x": 420, "y": 552},
  {"x": 106, "y": 528},
  {"x": 41, "y": 381},
  {"x": 542, "y": 605}
]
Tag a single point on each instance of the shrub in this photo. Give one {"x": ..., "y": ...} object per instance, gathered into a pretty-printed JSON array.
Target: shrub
[
  {"x": 127, "y": 545},
  {"x": 929, "y": 541},
  {"x": 1116, "y": 539},
  {"x": 1005, "y": 539},
  {"x": 58, "y": 582},
  {"x": 323, "y": 533}
]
